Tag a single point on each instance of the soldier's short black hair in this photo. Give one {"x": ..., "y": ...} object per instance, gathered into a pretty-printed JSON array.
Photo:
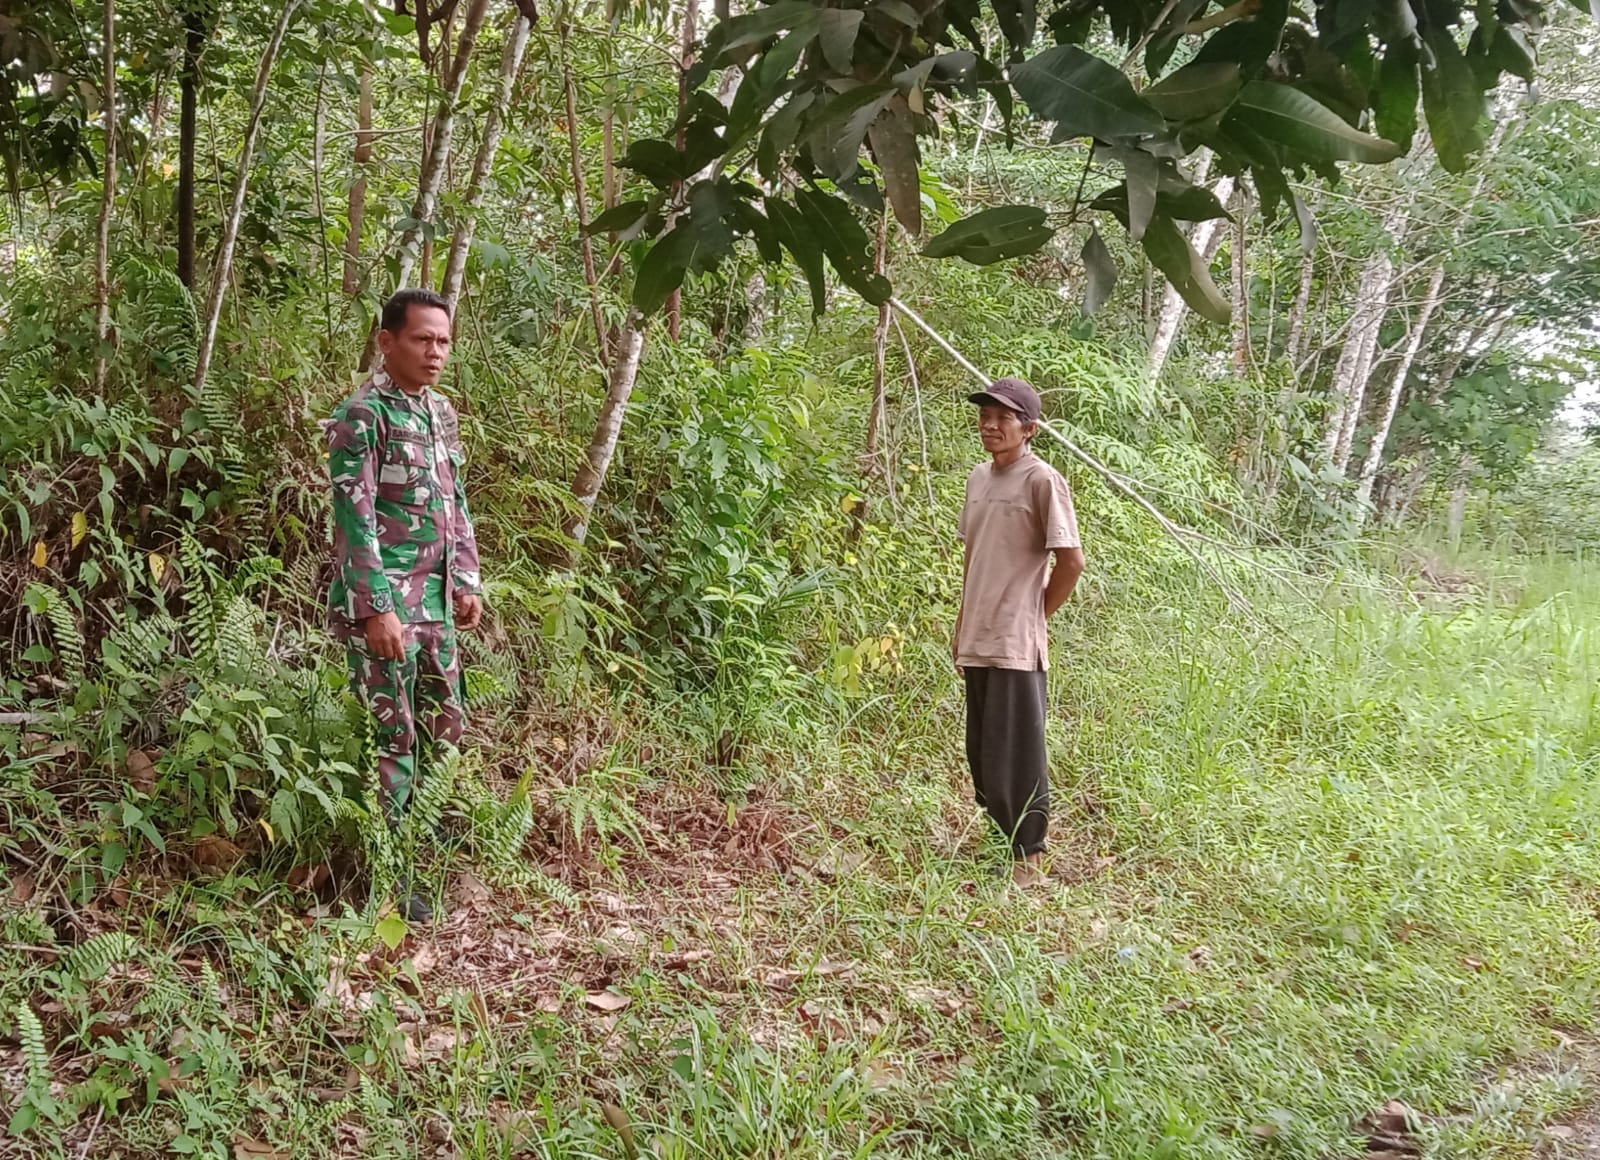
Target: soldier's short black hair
[{"x": 398, "y": 308}]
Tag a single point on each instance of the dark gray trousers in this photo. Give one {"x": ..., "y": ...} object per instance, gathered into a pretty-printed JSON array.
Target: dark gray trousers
[{"x": 1005, "y": 748}]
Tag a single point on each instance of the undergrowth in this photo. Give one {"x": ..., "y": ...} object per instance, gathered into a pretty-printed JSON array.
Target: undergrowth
[{"x": 711, "y": 877}]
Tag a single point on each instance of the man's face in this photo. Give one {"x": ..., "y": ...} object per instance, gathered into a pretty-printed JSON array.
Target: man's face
[
  {"x": 415, "y": 357},
  {"x": 1002, "y": 429}
]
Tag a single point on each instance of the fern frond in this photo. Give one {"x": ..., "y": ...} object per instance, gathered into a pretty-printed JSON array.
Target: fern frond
[{"x": 95, "y": 957}]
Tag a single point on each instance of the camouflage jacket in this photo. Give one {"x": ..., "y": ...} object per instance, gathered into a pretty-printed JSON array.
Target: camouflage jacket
[{"x": 403, "y": 540}]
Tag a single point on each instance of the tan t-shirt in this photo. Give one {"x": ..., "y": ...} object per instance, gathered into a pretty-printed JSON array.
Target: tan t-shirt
[{"x": 1014, "y": 517}]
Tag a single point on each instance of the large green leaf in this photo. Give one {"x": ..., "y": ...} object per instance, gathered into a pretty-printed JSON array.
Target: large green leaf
[
  {"x": 803, "y": 247},
  {"x": 1196, "y": 91},
  {"x": 620, "y": 219},
  {"x": 1308, "y": 130},
  {"x": 1100, "y": 273},
  {"x": 993, "y": 235},
  {"x": 1084, "y": 96},
  {"x": 1452, "y": 100},
  {"x": 837, "y": 35},
  {"x": 1017, "y": 21},
  {"x": 739, "y": 32},
  {"x": 834, "y": 135},
  {"x": 698, "y": 242},
  {"x": 1170, "y": 252},
  {"x": 894, "y": 144},
  {"x": 845, "y": 243},
  {"x": 1397, "y": 94}
]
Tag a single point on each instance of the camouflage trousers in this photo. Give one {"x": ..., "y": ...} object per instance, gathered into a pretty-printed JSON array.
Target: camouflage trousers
[{"x": 414, "y": 703}]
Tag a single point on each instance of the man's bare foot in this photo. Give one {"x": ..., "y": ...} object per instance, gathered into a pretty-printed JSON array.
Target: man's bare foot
[{"x": 1028, "y": 871}]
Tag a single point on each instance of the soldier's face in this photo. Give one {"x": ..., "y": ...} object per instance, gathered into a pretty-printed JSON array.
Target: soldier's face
[{"x": 415, "y": 357}]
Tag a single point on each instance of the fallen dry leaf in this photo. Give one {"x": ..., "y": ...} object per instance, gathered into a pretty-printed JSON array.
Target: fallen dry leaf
[
  {"x": 470, "y": 892},
  {"x": 1200, "y": 958},
  {"x": 943, "y": 1001},
  {"x": 425, "y": 959},
  {"x": 23, "y": 888},
  {"x": 881, "y": 1074},
  {"x": 607, "y": 1000},
  {"x": 1473, "y": 964},
  {"x": 215, "y": 852},
  {"x": 824, "y": 1022},
  {"x": 676, "y": 962},
  {"x": 246, "y": 1148},
  {"x": 619, "y": 1120},
  {"x": 141, "y": 771},
  {"x": 440, "y": 1044},
  {"x": 780, "y": 979}
]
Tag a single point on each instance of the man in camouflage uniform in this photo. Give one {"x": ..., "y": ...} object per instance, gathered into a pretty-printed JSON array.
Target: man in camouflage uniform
[{"x": 407, "y": 559}]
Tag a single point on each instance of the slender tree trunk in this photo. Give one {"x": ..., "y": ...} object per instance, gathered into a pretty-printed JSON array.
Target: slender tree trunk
[
  {"x": 1241, "y": 284},
  {"x": 358, "y": 191},
  {"x": 1366, "y": 360},
  {"x": 1360, "y": 344},
  {"x": 581, "y": 197},
  {"x": 319, "y": 140},
  {"x": 223, "y": 270},
  {"x": 685, "y": 63},
  {"x": 1302, "y": 304},
  {"x": 608, "y": 128},
  {"x": 1207, "y": 240},
  {"x": 624, "y": 373},
  {"x": 1459, "y": 488},
  {"x": 194, "y": 41},
  {"x": 461, "y": 241},
  {"x": 755, "y": 296},
  {"x": 439, "y": 147},
  {"x": 880, "y": 341},
  {"x": 108, "y": 200},
  {"x": 1397, "y": 386}
]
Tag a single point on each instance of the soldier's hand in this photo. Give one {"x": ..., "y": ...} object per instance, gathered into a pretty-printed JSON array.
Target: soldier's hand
[
  {"x": 386, "y": 637},
  {"x": 469, "y": 611}
]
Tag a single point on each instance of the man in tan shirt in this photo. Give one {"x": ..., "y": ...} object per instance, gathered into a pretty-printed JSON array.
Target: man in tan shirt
[{"x": 1018, "y": 517}]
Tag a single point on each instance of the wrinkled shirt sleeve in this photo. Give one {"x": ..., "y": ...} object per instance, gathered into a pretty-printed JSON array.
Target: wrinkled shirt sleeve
[
  {"x": 466, "y": 576},
  {"x": 352, "y": 467}
]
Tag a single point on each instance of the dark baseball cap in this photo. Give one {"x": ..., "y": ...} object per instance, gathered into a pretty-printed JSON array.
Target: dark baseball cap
[{"x": 1017, "y": 394}]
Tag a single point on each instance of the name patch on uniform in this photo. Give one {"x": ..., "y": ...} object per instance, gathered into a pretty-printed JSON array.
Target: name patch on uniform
[{"x": 402, "y": 435}]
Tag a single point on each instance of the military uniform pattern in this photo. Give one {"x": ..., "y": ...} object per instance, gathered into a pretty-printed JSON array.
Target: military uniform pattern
[
  {"x": 403, "y": 542},
  {"x": 402, "y": 535},
  {"x": 418, "y": 698}
]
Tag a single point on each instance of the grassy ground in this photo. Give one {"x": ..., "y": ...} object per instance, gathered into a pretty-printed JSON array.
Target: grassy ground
[{"x": 1299, "y": 871}]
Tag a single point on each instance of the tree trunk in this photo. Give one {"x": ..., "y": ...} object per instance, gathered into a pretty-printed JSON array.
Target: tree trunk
[
  {"x": 685, "y": 63},
  {"x": 358, "y": 192},
  {"x": 581, "y": 198},
  {"x": 624, "y": 373},
  {"x": 755, "y": 296},
  {"x": 439, "y": 148},
  {"x": 1397, "y": 386},
  {"x": 230, "y": 232},
  {"x": 880, "y": 341},
  {"x": 1458, "y": 500},
  {"x": 1207, "y": 239},
  {"x": 1302, "y": 304},
  {"x": 108, "y": 199},
  {"x": 1366, "y": 360},
  {"x": 608, "y": 158},
  {"x": 1241, "y": 283},
  {"x": 319, "y": 141},
  {"x": 493, "y": 123},
  {"x": 1360, "y": 344},
  {"x": 194, "y": 42}
]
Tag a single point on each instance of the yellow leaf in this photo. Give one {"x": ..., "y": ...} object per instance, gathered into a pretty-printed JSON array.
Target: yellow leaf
[
  {"x": 158, "y": 566},
  {"x": 848, "y": 504},
  {"x": 41, "y": 555},
  {"x": 80, "y": 527},
  {"x": 168, "y": 169},
  {"x": 267, "y": 826}
]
